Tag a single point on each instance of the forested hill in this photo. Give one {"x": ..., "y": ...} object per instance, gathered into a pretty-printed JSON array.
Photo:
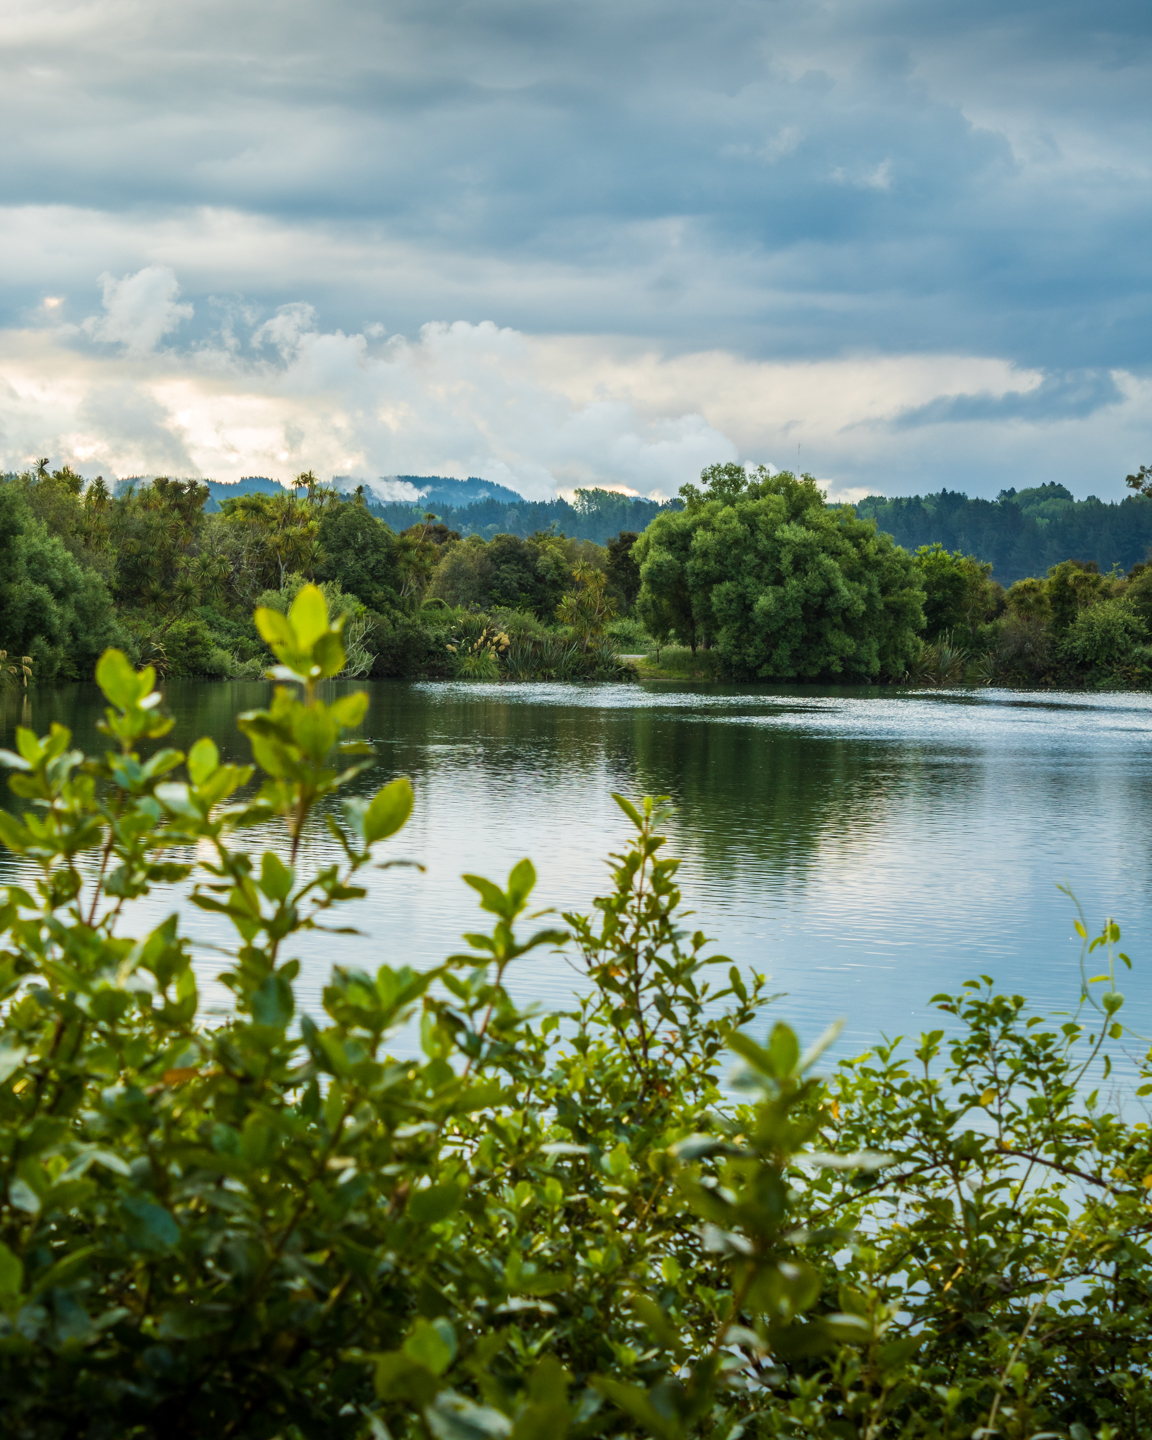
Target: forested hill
[
  {"x": 591, "y": 515},
  {"x": 1021, "y": 532}
]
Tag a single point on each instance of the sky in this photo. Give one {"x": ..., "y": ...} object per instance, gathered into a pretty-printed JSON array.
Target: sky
[{"x": 900, "y": 245}]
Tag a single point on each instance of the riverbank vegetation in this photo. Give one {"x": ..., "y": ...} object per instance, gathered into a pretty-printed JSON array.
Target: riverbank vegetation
[
  {"x": 269, "y": 1224},
  {"x": 148, "y": 570},
  {"x": 749, "y": 576}
]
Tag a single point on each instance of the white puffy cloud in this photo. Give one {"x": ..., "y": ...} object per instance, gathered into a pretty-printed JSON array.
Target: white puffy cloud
[
  {"x": 139, "y": 310},
  {"x": 281, "y": 394}
]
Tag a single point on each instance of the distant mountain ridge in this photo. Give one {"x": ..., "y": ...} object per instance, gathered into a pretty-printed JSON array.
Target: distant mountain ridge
[
  {"x": 386, "y": 489},
  {"x": 440, "y": 489}
]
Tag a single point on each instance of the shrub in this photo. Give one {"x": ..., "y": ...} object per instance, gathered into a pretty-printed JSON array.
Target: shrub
[
  {"x": 941, "y": 664},
  {"x": 268, "y": 1226},
  {"x": 1104, "y": 637},
  {"x": 405, "y": 648},
  {"x": 188, "y": 648},
  {"x": 629, "y": 634}
]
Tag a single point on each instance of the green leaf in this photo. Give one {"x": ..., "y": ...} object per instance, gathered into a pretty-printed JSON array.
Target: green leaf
[
  {"x": 203, "y": 760},
  {"x": 28, "y": 746},
  {"x": 274, "y": 627},
  {"x": 328, "y": 654},
  {"x": 273, "y": 1002},
  {"x": 23, "y": 1197},
  {"x": 654, "y": 1318},
  {"x": 349, "y": 710},
  {"x": 399, "y": 1377},
  {"x": 11, "y": 1272},
  {"x": 12, "y": 834},
  {"x": 119, "y": 682},
  {"x": 275, "y": 877},
  {"x": 454, "y": 1417},
  {"x": 12, "y": 1056},
  {"x": 521, "y": 883},
  {"x": 433, "y": 1344},
  {"x": 755, "y": 1054},
  {"x": 796, "y": 1342},
  {"x": 148, "y": 1226},
  {"x": 308, "y": 616},
  {"x": 492, "y": 898},
  {"x": 390, "y": 808},
  {"x": 784, "y": 1050},
  {"x": 434, "y": 1203},
  {"x": 635, "y": 1403},
  {"x": 896, "y": 1353},
  {"x": 64, "y": 1271},
  {"x": 847, "y": 1329},
  {"x": 191, "y": 1320},
  {"x": 314, "y": 731},
  {"x": 630, "y": 810}
]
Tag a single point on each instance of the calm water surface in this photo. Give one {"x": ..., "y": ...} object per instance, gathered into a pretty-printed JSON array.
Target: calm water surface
[{"x": 865, "y": 848}]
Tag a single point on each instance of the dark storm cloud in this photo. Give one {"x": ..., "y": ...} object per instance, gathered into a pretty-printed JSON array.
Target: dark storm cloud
[
  {"x": 1069, "y": 395},
  {"x": 782, "y": 177}
]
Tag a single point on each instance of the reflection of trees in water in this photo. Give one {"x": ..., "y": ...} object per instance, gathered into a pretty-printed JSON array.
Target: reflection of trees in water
[
  {"x": 766, "y": 799},
  {"x": 751, "y": 798}
]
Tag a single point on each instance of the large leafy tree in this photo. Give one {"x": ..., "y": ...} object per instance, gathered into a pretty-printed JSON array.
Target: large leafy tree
[
  {"x": 959, "y": 595},
  {"x": 50, "y": 607},
  {"x": 281, "y": 534},
  {"x": 781, "y": 584},
  {"x": 156, "y": 530},
  {"x": 361, "y": 553}
]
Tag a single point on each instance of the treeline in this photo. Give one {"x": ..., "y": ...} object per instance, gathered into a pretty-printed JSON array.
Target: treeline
[
  {"x": 753, "y": 575},
  {"x": 1020, "y": 533},
  {"x": 148, "y": 569},
  {"x": 774, "y": 584},
  {"x": 1023, "y": 532}
]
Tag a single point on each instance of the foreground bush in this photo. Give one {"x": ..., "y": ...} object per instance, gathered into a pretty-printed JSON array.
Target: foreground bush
[{"x": 269, "y": 1226}]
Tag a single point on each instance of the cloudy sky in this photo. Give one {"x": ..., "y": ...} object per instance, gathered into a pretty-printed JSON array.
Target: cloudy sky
[{"x": 905, "y": 243}]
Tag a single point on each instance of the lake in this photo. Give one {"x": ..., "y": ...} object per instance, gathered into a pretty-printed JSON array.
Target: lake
[{"x": 866, "y": 848}]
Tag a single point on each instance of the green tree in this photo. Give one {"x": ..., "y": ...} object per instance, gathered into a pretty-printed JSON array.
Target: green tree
[
  {"x": 1072, "y": 586},
  {"x": 464, "y": 573},
  {"x": 283, "y": 532},
  {"x": 418, "y": 551},
  {"x": 156, "y": 531},
  {"x": 1141, "y": 482},
  {"x": 1106, "y": 637},
  {"x": 958, "y": 593},
  {"x": 782, "y": 585},
  {"x": 623, "y": 570},
  {"x": 361, "y": 553},
  {"x": 50, "y": 607}
]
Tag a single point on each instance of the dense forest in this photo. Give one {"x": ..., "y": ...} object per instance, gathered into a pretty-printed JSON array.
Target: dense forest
[
  {"x": 1022, "y": 532},
  {"x": 746, "y": 576}
]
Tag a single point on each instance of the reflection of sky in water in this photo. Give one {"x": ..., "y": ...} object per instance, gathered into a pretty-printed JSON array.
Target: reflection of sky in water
[{"x": 866, "y": 848}]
